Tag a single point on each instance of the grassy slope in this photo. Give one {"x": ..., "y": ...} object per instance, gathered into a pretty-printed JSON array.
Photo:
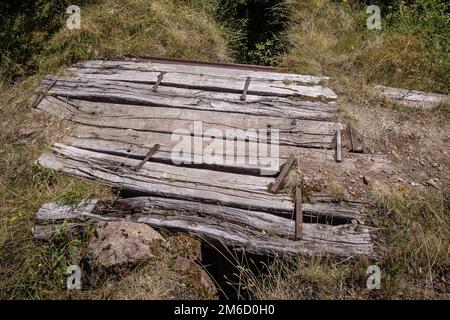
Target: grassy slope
[
  {"x": 324, "y": 38},
  {"x": 410, "y": 51},
  {"x": 161, "y": 27}
]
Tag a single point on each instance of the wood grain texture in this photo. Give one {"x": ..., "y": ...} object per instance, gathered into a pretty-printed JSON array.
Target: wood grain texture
[
  {"x": 249, "y": 192},
  {"x": 234, "y": 190},
  {"x": 172, "y": 97},
  {"x": 208, "y": 82},
  {"x": 253, "y": 234},
  {"x": 315, "y": 134},
  {"x": 199, "y": 70}
]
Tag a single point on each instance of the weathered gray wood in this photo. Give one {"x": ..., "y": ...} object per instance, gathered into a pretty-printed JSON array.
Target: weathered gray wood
[
  {"x": 241, "y": 164},
  {"x": 207, "y": 82},
  {"x": 249, "y": 192},
  {"x": 412, "y": 98},
  {"x": 170, "y": 97},
  {"x": 55, "y": 211},
  {"x": 234, "y": 190},
  {"x": 199, "y": 70},
  {"x": 267, "y": 222},
  {"x": 345, "y": 240},
  {"x": 124, "y": 140},
  {"x": 134, "y": 144},
  {"x": 291, "y": 132},
  {"x": 137, "y": 207}
]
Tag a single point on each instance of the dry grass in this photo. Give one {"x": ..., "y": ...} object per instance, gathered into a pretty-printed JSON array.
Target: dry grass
[
  {"x": 331, "y": 38},
  {"x": 159, "y": 279},
  {"x": 34, "y": 270},
  {"x": 161, "y": 28},
  {"x": 413, "y": 246},
  {"x": 29, "y": 269},
  {"x": 415, "y": 242}
]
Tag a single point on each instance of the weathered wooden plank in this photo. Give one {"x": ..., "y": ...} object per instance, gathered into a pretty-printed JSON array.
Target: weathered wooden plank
[
  {"x": 413, "y": 98},
  {"x": 267, "y": 222},
  {"x": 240, "y": 164},
  {"x": 134, "y": 144},
  {"x": 350, "y": 239},
  {"x": 137, "y": 207},
  {"x": 54, "y": 211},
  {"x": 200, "y": 70},
  {"x": 208, "y": 82},
  {"x": 290, "y": 132},
  {"x": 249, "y": 192},
  {"x": 234, "y": 190},
  {"x": 211, "y": 83},
  {"x": 148, "y": 139},
  {"x": 170, "y": 97},
  {"x": 253, "y": 241}
]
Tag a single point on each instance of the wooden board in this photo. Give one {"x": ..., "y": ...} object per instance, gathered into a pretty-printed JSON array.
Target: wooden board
[
  {"x": 313, "y": 134},
  {"x": 173, "y": 97},
  {"x": 256, "y": 234},
  {"x": 209, "y": 82},
  {"x": 245, "y": 191},
  {"x": 413, "y": 98},
  {"x": 199, "y": 70},
  {"x": 234, "y": 190}
]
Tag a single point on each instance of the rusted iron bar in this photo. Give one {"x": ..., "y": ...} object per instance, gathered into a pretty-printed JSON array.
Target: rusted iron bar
[
  {"x": 244, "y": 93},
  {"x": 298, "y": 214},
  {"x": 351, "y": 137},
  {"x": 43, "y": 94},
  {"x": 166, "y": 60},
  {"x": 158, "y": 82},
  {"x": 147, "y": 157},
  {"x": 283, "y": 174}
]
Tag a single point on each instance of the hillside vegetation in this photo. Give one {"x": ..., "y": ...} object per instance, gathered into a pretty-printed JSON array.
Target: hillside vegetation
[{"x": 310, "y": 36}]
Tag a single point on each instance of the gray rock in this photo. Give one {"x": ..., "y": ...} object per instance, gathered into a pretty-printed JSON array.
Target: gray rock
[
  {"x": 121, "y": 243},
  {"x": 25, "y": 132}
]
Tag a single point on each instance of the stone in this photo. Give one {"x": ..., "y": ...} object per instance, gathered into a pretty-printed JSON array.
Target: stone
[
  {"x": 25, "y": 132},
  {"x": 120, "y": 243},
  {"x": 183, "y": 264},
  {"x": 200, "y": 276}
]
